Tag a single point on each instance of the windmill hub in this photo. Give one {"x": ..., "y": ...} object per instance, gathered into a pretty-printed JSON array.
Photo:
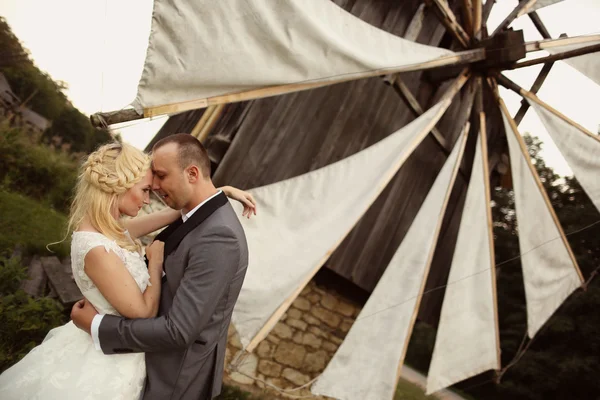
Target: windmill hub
[{"x": 501, "y": 50}]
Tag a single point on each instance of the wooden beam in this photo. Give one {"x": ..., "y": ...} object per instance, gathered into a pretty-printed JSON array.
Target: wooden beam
[
  {"x": 558, "y": 56},
  {"x": 534, "y": 89},
  {"x": 477, "y": 18},
  {"x": 565, "y": 41},
  {"x": 487, "y": 9},
  {"x": 467, "y": 12},
  {"x": 539, "y": 25},
  {"x": 412, "y": 103},
  {"x": 448, "y": 19},
  {"x": 507, "y": 83},
  {"x": 522, "y": 8},
  {"x": 488, "y": 202},
  {"x": 104, "y": 119}
]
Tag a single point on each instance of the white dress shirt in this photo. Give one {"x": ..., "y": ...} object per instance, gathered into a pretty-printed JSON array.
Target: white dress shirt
[{"x": 98, "y": 318}]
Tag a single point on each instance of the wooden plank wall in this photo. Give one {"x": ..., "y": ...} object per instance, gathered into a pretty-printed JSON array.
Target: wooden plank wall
[{"x": 281, "y": 137}]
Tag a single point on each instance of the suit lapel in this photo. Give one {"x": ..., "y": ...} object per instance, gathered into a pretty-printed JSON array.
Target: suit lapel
[{"x": 176, "y": 235}]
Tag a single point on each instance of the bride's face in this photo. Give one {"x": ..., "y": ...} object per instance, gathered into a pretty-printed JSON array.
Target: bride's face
[{"x": 131, "y": 202}]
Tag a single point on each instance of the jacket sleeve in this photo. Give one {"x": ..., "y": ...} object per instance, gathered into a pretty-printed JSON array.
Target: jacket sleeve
[{"x": 211, "y": 267}]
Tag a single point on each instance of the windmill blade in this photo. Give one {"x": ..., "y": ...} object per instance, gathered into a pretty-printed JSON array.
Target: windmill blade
[
  {"x": 550, "y": 271},
  {"x": 288, "y": 243},
  {"x": 467, "y": 340},
  {"x": 580, "y": 148},
  {"x": 267, "y": 48},
  {"x": 524, "y": 7},
  {"x": 367, "y": 364},
  {"x": 587, "y": 64}
]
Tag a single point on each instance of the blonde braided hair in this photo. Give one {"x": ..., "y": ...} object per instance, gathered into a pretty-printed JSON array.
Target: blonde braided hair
[{"x": 106, "y": 174}]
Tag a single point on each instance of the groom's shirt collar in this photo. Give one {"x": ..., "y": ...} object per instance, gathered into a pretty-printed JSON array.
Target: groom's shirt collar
[{"x": 187, "y": 216}]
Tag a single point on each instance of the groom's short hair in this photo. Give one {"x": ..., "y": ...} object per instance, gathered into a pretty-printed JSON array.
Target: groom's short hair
[{"x": 190, "y": 151}]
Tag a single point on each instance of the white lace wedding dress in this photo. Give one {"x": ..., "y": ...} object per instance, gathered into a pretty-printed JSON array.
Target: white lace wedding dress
[{"x": 66, "y": 365}]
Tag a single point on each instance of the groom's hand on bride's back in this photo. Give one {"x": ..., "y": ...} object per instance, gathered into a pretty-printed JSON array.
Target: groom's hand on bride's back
[{"x": 82, "y": 314}]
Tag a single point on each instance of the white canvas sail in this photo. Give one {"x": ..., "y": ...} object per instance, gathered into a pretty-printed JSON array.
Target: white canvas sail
[
  {"x": 550, "y": 271},
  {"x": 543, "y": 3},
  {"x": 581, "y": 150},
  {"x": 366, "y": 365},
  {"x": 467, "y": 337},
  {"x": 204, "y": 48},
  {"x": 303, "y": 220},
  {"x": 587, "y": 64}
]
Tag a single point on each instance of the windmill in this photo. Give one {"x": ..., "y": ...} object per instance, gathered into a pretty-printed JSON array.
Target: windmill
[{"x": 301, "y": 48}]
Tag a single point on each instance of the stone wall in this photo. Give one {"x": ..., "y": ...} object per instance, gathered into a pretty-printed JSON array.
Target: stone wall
[{"x": 299, "y": 346}]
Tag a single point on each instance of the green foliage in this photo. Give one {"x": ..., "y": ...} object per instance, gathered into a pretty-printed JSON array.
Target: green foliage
[
  {"x": 30, "y": 224},
  {"x": 46, "y": 97},
  {"x": 407, "y": 391},
  {"x": 74, "y": 129},
  {"x": 26, "y": 79},
  {"x": 24, "y": 321},
  {"x": 234, "y": 393},
  {"x": 35, "y": 170}
]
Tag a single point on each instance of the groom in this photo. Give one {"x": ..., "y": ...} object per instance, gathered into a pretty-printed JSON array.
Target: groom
[{"x": 206, "y": 257}]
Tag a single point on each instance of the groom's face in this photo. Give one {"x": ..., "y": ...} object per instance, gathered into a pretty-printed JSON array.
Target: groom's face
[{"x": 169, "y": 178}]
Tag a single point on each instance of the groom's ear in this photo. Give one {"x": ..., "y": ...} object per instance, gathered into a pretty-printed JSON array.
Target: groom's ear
[{"x": 193, "y": 174}]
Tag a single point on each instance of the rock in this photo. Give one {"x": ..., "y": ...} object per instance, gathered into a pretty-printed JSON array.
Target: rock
[
  {"x": 246, "y": 369},
  {"x": 345, "y": 326},
  {"x": 242, "y": 379},
  {"x": 314, "y": 298},
  {"x": 311, "y": 320},
  {"x": 273, "y": 339},
  {"x": 318, "y": 332},
  {"x": 329, "y": 346},
  {"x": 329, "y": 302},
  {"x": 234, "y": 340},
  {"x": 279, "y": 383},
  {"x": 289, "y": 354},
  {"x": 302, "y": 304},
  {"x": 298, "y": 337},
  {"x": 346, "y": 309},
  {"x": 265, "y": 350},
  {"x": 295, "y": 377},
  {"x": 325, "y": 316},
  {"x": 259, "y": 382},
  {"x": 231, "y": 330},
  {"x": 283, "y": 331},
  {"x": 294, "y": 313},
  {"x": 335, "y": 339},
  {"x": 311, "y": 340},
  {"x": 307, "y": 289},
  {"x": 296, "y": 323},
  {"x": 315, "y": 362},
  {"x": 269, "y": 368}
]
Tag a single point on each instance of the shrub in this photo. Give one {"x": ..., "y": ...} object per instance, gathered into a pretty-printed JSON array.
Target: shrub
[
  {"x": 24, "y": 321},
  {"x": 35, "y": 170}
]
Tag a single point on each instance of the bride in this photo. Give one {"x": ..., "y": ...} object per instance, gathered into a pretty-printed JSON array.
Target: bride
[{"x": 115, "y": 180}]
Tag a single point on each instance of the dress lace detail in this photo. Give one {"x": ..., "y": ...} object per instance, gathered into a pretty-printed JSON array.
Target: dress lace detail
[
  {"x": 67, "y": 365},
  {"x": 81, "y": 243}
]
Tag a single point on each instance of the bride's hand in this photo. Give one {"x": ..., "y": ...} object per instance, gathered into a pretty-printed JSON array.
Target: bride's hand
[
  {"x": 245, "y": 198},
  {"x": 155, "y": 253}
]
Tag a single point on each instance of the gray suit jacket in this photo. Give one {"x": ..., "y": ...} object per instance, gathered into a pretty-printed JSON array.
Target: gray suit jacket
[{"x": 205, "y": 264}]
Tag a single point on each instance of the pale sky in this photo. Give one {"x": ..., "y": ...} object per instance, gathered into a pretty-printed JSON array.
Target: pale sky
[{"x": 98, "y": 48}]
